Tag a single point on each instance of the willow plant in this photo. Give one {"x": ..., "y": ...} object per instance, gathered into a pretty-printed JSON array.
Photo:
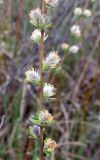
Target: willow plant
[{"x": 47, "y": 91}]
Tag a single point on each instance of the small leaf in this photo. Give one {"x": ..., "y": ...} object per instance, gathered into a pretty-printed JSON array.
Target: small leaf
[
  {"x": 35, "y": 121},
  {"x": 45, "y": 67},
  {"x": 32, "y": 135},
  {"x": 47, "y": 153},
  {"x": 45, "y": 26}
]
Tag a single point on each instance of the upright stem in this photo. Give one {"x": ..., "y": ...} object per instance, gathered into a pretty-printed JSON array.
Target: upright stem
[
  {"x": 41, "y": 69},
  {"x": 41, "y": 93},
  {"x": 42, "y": 79}
]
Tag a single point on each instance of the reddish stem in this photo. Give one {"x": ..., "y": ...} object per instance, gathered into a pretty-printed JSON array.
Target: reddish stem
[{"x": 43, "y": 9}]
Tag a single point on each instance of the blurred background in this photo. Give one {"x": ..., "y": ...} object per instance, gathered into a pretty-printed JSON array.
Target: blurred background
[{"x": 77, "y": 79}]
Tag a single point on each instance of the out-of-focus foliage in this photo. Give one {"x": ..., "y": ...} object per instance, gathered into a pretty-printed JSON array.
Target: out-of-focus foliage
[{"x": 77, "y": 108}]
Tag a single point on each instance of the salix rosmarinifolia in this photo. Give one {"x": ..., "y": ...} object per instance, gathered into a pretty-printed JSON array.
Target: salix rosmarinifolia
[{"x": 36, "y": 76}]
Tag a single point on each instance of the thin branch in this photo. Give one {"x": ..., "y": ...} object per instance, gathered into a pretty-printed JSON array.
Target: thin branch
[{"x": 43, "y": 8}]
